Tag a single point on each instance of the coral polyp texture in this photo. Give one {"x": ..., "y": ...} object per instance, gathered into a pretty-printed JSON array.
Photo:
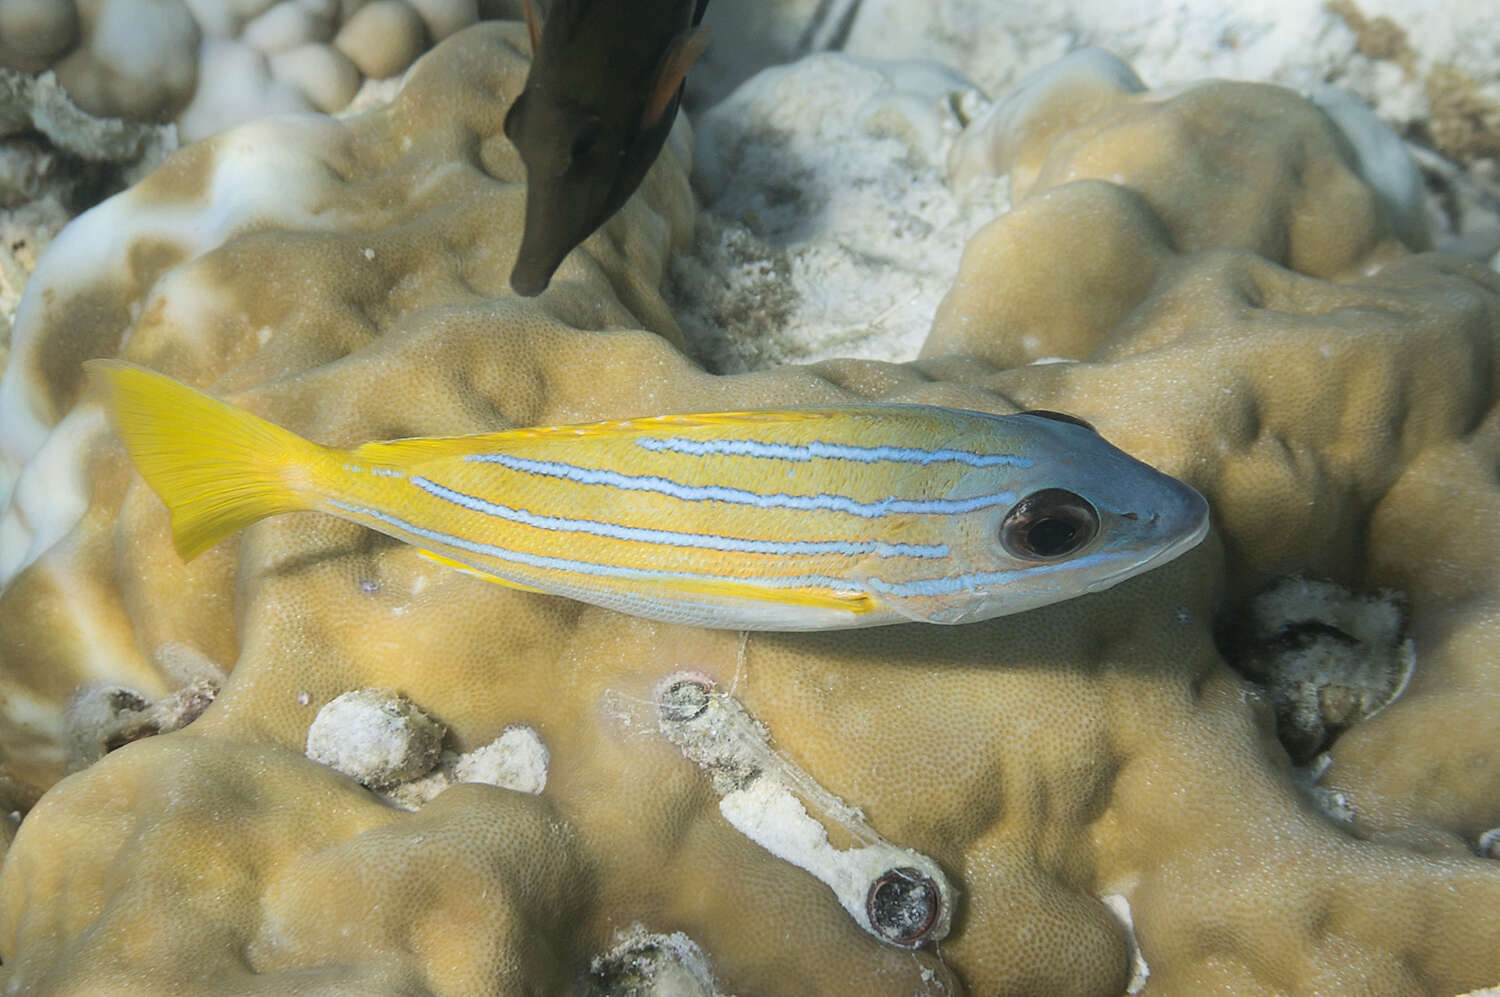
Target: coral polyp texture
[
  {"x": 209, "y": 64},
  {"x": 1079, "y": 799}
]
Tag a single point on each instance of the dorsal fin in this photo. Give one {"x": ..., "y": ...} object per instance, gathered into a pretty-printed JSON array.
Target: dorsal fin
[
  {"x": 396, "y": 453},
  {"x": 679, "y": 57},
  {"x": 400, "y": 453}
]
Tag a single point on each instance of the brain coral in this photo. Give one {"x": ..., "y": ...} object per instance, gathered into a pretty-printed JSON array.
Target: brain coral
[
  {"x": 209, "y": 64},
  {"x": 1096, "y": 784}
]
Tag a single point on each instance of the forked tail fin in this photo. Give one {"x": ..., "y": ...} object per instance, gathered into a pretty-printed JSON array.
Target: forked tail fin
[{"x": 218, "y": 468}]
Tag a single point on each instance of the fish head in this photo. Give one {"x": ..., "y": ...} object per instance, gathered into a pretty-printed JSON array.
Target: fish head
[
  {"x": 575, "y": 159},
  {"x": 1074, "y": 515}
]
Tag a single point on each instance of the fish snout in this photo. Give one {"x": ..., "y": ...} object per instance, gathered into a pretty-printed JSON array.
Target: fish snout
[
  {"x": 530, "y": 280},
  {"x": 540, "y": 254},
  {"x": 534, "y": 269}
]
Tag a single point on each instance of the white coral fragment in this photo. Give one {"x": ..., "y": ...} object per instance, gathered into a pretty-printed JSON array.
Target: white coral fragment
[
  {"x": 1488, "y": 845},
  {"x": 898, "y": 895},
  {"x": 376, "y": 737},
  {"x": 1119, "y": 906},
  {"x": 516, "y": 760}
]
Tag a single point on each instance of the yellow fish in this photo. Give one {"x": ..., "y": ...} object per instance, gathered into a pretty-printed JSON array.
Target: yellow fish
[{"x": 798, "y": 519}]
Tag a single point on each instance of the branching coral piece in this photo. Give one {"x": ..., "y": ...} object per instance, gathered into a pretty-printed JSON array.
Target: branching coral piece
[{"x": 894, "y": 893}]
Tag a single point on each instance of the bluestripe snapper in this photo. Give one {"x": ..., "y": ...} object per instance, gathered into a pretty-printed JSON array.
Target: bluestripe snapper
[{"x": 797, "y": 519}]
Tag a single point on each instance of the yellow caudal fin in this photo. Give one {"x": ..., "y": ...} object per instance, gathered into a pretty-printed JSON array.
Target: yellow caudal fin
[{"x": 218, "y": 468}]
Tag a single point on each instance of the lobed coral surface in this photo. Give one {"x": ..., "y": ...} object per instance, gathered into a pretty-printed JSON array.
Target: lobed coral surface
[{"x": 1212, "y": 282}]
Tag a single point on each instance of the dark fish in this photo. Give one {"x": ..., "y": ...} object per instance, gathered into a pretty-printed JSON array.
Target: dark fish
[{"x": 606, "y": 78}]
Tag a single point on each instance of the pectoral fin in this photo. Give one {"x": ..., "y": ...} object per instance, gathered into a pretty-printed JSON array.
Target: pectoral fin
[
  {"x": 679, "y": 57},
  {"x": 533, "y": 24}
]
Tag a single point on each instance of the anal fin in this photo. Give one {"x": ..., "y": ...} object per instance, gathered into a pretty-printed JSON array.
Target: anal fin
[
  {"x": 468, "y": 569},
  {"x": 848, "y": 602}
]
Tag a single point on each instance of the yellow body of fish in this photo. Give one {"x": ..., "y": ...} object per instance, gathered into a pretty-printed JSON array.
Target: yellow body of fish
[{"x": 799, "y": 519}]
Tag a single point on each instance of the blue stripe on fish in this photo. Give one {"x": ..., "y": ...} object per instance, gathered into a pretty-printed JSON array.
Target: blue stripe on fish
[
  {"x": 832, "y": 451},
  {"x": 548, "y": 562},
  {"x": 821, "y": 502},
  {"x": 705, "y": 541}
]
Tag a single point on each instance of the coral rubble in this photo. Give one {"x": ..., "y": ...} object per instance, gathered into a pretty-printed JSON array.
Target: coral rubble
[{"x": 1208, "y": 275}]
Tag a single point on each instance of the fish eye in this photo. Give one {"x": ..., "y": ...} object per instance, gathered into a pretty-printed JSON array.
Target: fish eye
[
  {"x": 1061, "y": 417},
  {"x": 1049, "y": 524}
]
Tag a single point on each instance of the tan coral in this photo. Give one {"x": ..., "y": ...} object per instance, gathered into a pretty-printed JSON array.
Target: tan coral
[{"x": 1098, "y": 748}]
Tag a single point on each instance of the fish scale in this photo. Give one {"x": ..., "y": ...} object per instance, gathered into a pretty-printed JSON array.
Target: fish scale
[{"x": 795, "y": 519}]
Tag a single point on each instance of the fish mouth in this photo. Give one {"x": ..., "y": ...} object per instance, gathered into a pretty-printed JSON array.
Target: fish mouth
[
  {"x": 536, "y": 263},
  {"x": 530, "y": 281},
  {"x": 1170, "y": 552}
]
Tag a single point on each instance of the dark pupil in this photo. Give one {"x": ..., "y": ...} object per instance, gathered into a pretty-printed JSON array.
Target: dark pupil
[
  {"x": 1048, "y": 524},
  {"x": 1051, "y": 536}
]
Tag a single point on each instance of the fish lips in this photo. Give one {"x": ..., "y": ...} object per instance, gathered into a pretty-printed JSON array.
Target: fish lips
[
  {"x": 1192, "y": 513},
  {"x": 529, "y": 278},
  {"x": 536, "y": 262}
]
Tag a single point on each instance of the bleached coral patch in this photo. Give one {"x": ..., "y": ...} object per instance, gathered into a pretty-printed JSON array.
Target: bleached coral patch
[
  {"x": 1328, "y": 657},
  {"x": 207, "y": 65}
]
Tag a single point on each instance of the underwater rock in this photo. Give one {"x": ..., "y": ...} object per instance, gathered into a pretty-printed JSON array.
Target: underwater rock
[
  {"x": 650, "y": 965},
  {"x": 1328, "y": 657},
  {"x": 1332, "y": 393}
]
